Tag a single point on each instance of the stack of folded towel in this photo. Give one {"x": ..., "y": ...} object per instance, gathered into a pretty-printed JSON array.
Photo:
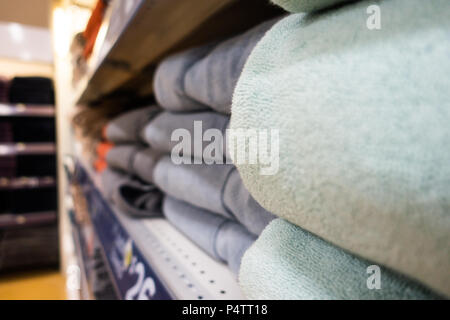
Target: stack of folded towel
[
  {"x": 204, "y": 196},
  {"x": 361, "y": 193},
  {"x": 362, "y": 114}
]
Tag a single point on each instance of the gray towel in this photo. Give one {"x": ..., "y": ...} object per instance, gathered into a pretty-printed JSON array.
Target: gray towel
[
  {"x": 169, "y": 80},
  {"x": 363, "y": 120},
  {"x": 158, "y": 132},
  {"x": 216, "y": 188},
  {"x": 221, "y": 238},
  {"x": 289, "y": 263},
  {"x": 136, "y": 160},
  {"x": 130, "y": 195},
  {"x": 127, "y": 127},
  {"x": 206, "y": 76}
]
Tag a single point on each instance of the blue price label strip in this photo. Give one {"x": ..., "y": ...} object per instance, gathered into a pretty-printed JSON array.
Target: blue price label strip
[{"x": 133, "y": 277}]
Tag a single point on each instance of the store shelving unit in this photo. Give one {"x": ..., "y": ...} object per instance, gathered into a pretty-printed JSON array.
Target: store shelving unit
[
  {"x": 147, "y": 258},
  {"x": 27, "y": 183},
  {"x": 28, "y": 206},
  {"x": 11, "y": 149},
  {"x": 26, "y": 110}
]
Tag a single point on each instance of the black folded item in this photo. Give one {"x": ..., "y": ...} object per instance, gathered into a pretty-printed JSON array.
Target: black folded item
[
  {"x": 28, "y": 200},
  {"x": 29, "y": 247},
  {"x": 7, "y": 167},
  {"x": 31, "y": 90},
  {"x": 6, "y": 132},
  {"x": 27, "y": 129},
  {"x": 35, "y": 166},
  {"x": 130, "y": 195},
  {"x": 4, "y": 88}
]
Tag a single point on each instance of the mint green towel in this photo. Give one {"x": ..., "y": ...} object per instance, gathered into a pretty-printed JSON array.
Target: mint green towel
[
  {"x": 306, "y": 5},
  {"x": 364, "y": 123},
  {"x": 288, "y": 263}
]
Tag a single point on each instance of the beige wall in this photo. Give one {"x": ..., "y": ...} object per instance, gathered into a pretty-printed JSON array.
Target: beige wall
[
  {"x": 10, "y": 68},
  {"x": 30, "y": 12}
]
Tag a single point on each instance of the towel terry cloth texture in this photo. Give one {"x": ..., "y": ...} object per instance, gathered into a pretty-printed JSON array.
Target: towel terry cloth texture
[
  {"x": 131, "y": 195},
  {"x": 223, "y": 239},
  {"x": 363, "y": 122},
  {"x": 288, "y": 263},
  {"x": 216, "y": 188},
  {"x": 205, "y": 77}
]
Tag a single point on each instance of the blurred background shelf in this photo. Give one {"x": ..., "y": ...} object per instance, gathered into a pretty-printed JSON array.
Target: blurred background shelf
[
  {"x": 27, "y": 183},
  {"x": 8, "y": 221},
  {"x": 27, "y": 149},
  {"x": 11, "y": 110}
]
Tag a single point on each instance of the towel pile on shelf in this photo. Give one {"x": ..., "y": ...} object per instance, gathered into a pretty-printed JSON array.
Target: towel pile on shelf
[
  {"x": 204, "y": 194},
  {"x": 208, "y": 203},
  {"x": 362, "y": 114},
  {"x": 361, "y": 194}
]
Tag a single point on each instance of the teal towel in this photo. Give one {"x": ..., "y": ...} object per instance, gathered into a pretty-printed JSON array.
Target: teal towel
[
  {"x": 288, "y": 263},
  {"x": 364, "y": 124},
  {"x": 306, "y": 5}
]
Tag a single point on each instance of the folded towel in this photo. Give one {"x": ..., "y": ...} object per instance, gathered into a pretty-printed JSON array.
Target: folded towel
[
  {"x": 130, "y": 195},
  {"x": 169, "y": 80},
  {"x": 212, "y": 79},
  {"x": 127, "y": 127},
  {"x": 221, "y": 238},
  {"x": 363, "y": 123},
  {"x": 216, "y": 188},
  {"x": 135, "y": 160},
  {"x": 206, "y": 76},
  {"x": 288, "y": 263},
  {"x": 306, "y": 5},
  {"x": 158, "y": 132}
]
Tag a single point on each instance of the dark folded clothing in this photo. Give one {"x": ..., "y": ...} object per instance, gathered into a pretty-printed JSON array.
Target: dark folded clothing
[
  {"x": 131, "y": 195},
  {"x": 29, "y": 247},
  {"x": 7, "y": 166},
  {"x": 28, "y": 200},
  {"x": 223, "y": 239},
  {"x": 216, "y": 188},
  {"x": 31, "y": 90},
  {"x": 6, "y": 132},
  {"x": 4, "y": 90},
  {"x": 27, "y": 129}
]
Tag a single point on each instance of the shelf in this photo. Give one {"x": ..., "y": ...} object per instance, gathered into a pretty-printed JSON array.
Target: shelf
[
  {"x": 8, "y": 221},
  {"x": 21, "y": 110},
  {"x": 27, "y": 149},
  {"x": 27, "y": 183},
  {"x": 136, "y": 35},
  {"x": 168, "y": 264},
  {"x": 85, "y": 292}
]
